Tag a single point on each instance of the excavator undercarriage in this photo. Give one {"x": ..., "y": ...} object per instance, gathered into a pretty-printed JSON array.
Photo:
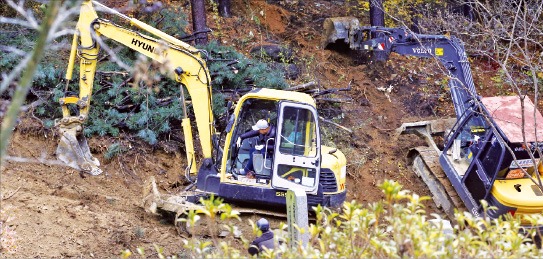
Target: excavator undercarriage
[{"x": 424, "y": 161}]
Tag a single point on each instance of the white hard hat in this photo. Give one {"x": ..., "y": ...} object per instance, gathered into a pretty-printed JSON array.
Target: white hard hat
[{"x": 261, "y": 124}]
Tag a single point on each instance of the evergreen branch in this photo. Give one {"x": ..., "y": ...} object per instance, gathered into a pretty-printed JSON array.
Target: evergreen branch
[
  {"x": 27, "y": 14},
  {"x": 26, "y": 80},
  {"x": 9, "y": 78}
]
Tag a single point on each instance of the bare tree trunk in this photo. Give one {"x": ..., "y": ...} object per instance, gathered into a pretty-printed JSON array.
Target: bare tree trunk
[
  {"x": 26, "y": 80},
  {"x": 467, "y": 10},
  {"x": 224, "y": 8},
  {"x": 199, "y": 23},
  {"x": 377, "y": 18},
  {"x": 377, "y": 13}
]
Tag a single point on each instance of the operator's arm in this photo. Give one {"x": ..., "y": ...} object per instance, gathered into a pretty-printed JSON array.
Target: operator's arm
[{"x": 249, "y": 134}]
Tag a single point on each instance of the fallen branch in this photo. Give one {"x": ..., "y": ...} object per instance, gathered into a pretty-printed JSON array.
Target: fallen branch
[
  {"x": 159, "y": 102},
  {"x": 11, "y": 195},
  {"x": 330, "y": 91},
  {"x": 335, "y": 124},
  {"x": 24, "y": 108},
  {"x": 337, "y": 100},
  {"x": 302, "y": 86},
  {"x": 122, "y": 73},
  {"x": 125, "y": 82},
  {"x": 238, "y": 90}
]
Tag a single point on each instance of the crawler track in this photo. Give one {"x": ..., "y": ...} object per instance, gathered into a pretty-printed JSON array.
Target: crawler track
[{"x": 425, "y": 164}]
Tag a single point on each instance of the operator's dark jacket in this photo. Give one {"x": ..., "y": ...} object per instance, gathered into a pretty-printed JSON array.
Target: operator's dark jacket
[
  {"x": 261, "y": 138},
  {"x": 266, "y": 240}
]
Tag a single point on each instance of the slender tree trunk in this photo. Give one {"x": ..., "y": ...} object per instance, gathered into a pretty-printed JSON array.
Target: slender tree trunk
[
  {"x": 224, "y": 8},
  {"x": 199, "y": 23},
  {"x": 26, "y": 80},
  {"x": 377, "y": 18},
  {"x": 377, "y": 13}
]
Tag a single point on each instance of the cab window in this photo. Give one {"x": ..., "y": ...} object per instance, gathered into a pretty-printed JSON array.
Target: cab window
[{"x": 298, "y": 133}]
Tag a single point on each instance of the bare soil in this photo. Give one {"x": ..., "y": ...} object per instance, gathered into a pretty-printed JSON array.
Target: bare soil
[{"x": 59, "y": 212}]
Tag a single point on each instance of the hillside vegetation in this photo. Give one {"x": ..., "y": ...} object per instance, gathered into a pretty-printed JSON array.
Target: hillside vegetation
[{"x": 50, "y": 210}]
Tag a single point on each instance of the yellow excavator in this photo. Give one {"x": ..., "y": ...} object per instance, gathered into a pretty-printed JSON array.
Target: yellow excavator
[{"x": 297, "y": 159}]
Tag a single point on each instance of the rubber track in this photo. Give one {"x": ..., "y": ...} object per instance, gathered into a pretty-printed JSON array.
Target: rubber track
[{"x": 443, "y": 193}]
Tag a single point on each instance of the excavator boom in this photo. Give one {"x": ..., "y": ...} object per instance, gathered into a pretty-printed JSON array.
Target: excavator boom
[
  {"x": 449, "y": 51},
  {"x": 184, "y": 62}
]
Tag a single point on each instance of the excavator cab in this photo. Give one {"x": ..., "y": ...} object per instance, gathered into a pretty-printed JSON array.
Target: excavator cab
[
  {"x": 293, "y": 159},
  {"x": 471, "y": 154}
]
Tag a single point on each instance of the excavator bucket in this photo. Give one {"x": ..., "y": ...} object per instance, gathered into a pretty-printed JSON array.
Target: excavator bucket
[
  {"x": 73, "y": 150},
  {"x": 180, "y": 203},
  {"x": 151, "y": 196},
  {"x": 425, "y": 129},
  {"x": 339, "y": 30}
]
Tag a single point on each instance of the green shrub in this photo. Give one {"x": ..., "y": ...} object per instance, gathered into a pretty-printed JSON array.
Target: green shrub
[
  {"x": 397, "y": 227},
  {"x": 246, "y": 69}
]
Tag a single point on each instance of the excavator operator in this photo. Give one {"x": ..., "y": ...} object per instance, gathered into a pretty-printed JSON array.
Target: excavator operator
[{"x": 265, "y": 142}]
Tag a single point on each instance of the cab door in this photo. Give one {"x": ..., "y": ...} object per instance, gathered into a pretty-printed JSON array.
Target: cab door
[
  {"x": 473, "y": 156},
  {"x": 296, "y": 162}
]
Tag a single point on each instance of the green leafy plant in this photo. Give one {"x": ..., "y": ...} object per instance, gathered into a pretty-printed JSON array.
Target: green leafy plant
[
  {"x": 114, "y": 150},
  {"x": 396, "y": 227}
]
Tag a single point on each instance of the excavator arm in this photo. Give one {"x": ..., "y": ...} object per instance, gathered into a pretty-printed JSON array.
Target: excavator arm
[
  {"x": 449, "y": 51},
  {"x": 185, "y": 64}
]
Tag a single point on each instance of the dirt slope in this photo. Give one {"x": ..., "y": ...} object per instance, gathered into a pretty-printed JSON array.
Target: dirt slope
[{"x": 58, "y": 212}]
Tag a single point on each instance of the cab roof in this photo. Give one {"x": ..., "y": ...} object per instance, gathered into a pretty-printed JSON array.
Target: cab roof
[
  {"x": 506, "y": 112},
  {"x": 273, "y": 94}
]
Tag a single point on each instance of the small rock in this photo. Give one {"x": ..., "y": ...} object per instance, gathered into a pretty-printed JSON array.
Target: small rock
[{"x": 224, "y": 233}]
